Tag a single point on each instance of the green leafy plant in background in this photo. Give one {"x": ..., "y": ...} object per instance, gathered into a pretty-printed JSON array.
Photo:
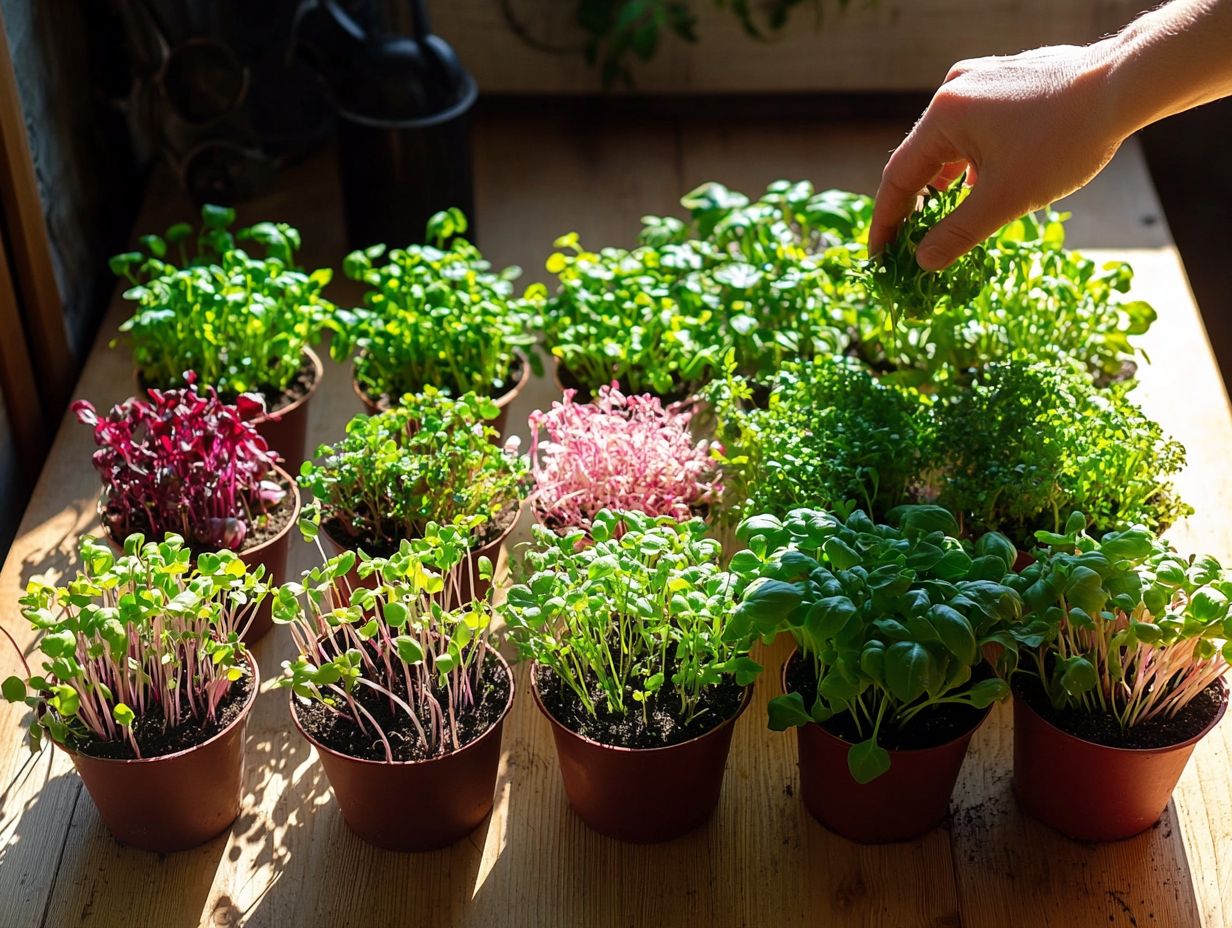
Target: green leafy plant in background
[
  {"x": 241, "y": 323},
  {"x": 637, "y": 618},
  {"x": 619, "y": 31},
  {"x": 135, "y": 644},
  {"x": 830, "y": 432},
  {"x": 893, "y": 619},
  {"x": 391, "y": 642},
  {"x": 1123, "y": 625},
  {"x": 776, "y": 267},
  {"x": 1025, "y": 444},
  {"x": 429, "y": 459},
  {"x": 639, "y": 318},
  {"x": 434, "y": 316},
  {"x": 1038, "y": 301}
]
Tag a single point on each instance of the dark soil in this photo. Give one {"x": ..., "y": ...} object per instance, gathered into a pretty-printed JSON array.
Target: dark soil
[
  {"x": 264, "y": 529},
  {"x": 385, "y": 401},
  {"x": 341, "y": 734},
  {"x": 678, "y": 394},
  {"x": 1104, "y": 728},
  {"x": 299, "y": 387},
  {"x": 661, "y": 727},
  {"x": 932, "y": 727},
  {"x": 1129, "y": 370},
  {"x": 491, "y": 532},
  {"x": 155, "y": 741}
]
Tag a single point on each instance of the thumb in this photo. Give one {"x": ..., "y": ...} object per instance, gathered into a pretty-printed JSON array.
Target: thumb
[{"x": 985, "y": 210}]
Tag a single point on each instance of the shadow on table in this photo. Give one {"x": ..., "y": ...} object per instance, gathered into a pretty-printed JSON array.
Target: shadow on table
[
  {"x": 1014, "y": 870},
  {"x": 60, "y": 865}
]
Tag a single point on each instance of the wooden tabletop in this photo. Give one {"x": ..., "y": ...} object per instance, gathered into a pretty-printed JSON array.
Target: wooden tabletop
[{"x": 762, "y": 861}]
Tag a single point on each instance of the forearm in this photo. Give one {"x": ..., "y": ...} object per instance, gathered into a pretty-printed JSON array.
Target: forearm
[{"x": 1169, "y": 60}]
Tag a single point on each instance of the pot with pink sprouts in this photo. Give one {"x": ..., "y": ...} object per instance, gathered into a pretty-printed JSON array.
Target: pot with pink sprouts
[
  {"x": 619, "y": 452},
  {"x": 146, "y": 683},
  {"x": 403, "y": 698},
  {"x": 1130, "y": 643},
  {"x": 185, "y": 462}
]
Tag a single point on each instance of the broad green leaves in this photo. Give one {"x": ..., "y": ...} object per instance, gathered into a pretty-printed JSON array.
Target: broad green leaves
[{"x": 892, "y": 619}]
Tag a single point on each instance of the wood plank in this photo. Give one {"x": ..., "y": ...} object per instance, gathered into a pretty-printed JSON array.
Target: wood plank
[
  {"x": 762, "y": 860},
  {"x": 874, "y": 45}
]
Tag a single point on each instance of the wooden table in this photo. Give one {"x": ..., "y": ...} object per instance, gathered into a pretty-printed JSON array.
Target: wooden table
[{"x": 762, "y": 861}]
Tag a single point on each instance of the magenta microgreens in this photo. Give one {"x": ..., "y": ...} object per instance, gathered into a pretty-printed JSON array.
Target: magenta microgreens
[{"x": 184, "y": 462}]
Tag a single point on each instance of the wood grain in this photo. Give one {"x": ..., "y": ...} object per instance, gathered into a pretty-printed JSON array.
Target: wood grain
[{"x": 290, "y": 860}]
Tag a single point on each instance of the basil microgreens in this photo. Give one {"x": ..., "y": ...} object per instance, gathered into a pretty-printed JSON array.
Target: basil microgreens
[{"x": 893, "y": 618}]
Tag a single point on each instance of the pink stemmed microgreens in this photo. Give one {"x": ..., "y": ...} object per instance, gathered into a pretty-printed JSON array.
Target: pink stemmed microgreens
[
  {"x": 624, "y": 453},
  {"x": 184, "y": 462},
  {"x": 152, "y": 636}
]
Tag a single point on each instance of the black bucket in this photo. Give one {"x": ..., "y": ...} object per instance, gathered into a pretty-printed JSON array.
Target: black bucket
[{"x": 397, "y": 173}]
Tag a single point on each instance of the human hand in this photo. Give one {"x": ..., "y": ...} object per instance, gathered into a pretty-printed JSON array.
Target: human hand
[{"x": 1027, "y": 129}]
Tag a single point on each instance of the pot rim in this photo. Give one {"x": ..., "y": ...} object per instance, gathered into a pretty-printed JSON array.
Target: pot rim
[
  {"x": 1136, "y": 752},
  {"x": 280, "y": 414},
  {"x": 239, "y": 719},
  {"x": 317, "y": 366},
  {"x": 894, "y": 752},
  {"x": 511, "y": 393},
  {"x": 745, "y": 700},
  {"x": 326, "y": 749},
  {"x": 689, "y": 393},
  {"x": 494, "y": 543},
  {"x": 243, "y": 552}
]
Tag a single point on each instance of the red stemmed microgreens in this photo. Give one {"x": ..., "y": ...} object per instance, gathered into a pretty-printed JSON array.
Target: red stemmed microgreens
[
  {"x": 183, "y": 462},
  {"x": 391, "y": 639},
  {"x": 620, "y": 453},
  {"x": 144, "y": 636}
]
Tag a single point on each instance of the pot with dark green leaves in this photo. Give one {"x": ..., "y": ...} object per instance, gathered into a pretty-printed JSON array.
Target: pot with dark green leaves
[{"x": 889, "y": 680}]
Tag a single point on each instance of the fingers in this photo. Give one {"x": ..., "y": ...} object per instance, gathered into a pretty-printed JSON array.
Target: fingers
[
  {"x": 916, "y": 162},
  {"x": 981, "y": 214}
]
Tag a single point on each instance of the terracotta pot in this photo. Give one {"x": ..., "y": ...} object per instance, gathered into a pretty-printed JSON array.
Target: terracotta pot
[
  {"x": 908, "y": 800},
  {"x": 468, "y": 591},
  {"x": 1024, "y": 560},
  {"x": 373, "y": 407},
  {"x": 1090, "y": 791},
  {"x": 416, "y": 805},
  {"x": 286, "y": 431},
  {"x": 642, "y": 795},
  {"x": 271, "y": 554},
  {"x": 176, "y": 801}
]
